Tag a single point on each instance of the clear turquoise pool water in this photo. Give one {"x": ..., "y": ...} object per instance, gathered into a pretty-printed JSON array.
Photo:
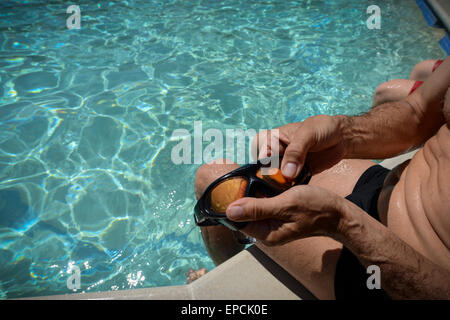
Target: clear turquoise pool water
[{"x": 86, "y": 118}]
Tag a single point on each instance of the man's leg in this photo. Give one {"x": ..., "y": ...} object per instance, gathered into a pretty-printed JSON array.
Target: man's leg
[
  {"x": 393, "y": 90},
  {"x": 311, "y": 261},
  {"x": 398, "y": 89},
  {"x": 422, "y": 70},
  {"x": 219, "y": 240}
]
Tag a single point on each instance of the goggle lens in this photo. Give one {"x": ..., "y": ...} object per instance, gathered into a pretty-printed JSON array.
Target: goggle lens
[{"x": 226, "y": 192}]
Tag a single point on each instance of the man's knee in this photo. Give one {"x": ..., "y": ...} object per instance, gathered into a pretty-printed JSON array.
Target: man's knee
[
  {"x": 393, "y": 90},
  {"x": 209, "y": 172},
  {"x": 422, "y": 70},
  {"x": 219, "y": 240},
  {"x": 380, "y": 93}
]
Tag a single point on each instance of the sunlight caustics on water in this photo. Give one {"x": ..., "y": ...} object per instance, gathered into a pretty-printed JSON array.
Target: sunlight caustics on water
[{"x": 86, "y": 118}]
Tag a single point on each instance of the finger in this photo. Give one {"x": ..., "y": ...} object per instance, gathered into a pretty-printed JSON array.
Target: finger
[
  {"x": 259, "y": 147},
  {"x": 256, "y": 143},
  {"x": 266, "y": 143},
  {"x": 295, "y": 155},
  {"x": 254, "y": 209},
  {"x": 300, "y": 139}
]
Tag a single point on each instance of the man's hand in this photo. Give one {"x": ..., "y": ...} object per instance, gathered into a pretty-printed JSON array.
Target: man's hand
[
  {"x": 305, "y": 211},
  {"x": 300, "y": 212},
  {"x": 317, "y": 140}
]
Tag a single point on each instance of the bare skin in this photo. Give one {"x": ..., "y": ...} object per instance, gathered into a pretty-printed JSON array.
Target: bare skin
[
  {"x": 418, "y": 207},
  {"x": 192, "y": 275},
  {"x": 398, "y": 89},
  {"x": 219, "y": 240},
  {"x": 392, "y": 90},
  {"x": 315, "y": 272},
  {"x": 414, "y": 205},
  {"x": 422, "y": 70}
]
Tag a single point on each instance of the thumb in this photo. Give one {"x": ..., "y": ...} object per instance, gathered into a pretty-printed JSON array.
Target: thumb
[
  {"x": 294, "y": 159},
  {"x": 295, "y": 154},
  {"x": 253, "y": 209}
]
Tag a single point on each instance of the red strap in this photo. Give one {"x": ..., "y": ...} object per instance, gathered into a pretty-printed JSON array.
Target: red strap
[
  {"x": 415, "y": 86},
  {"x": 437, "y": 64}
]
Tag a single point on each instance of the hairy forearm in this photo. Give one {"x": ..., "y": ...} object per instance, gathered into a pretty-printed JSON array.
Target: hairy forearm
[
  {"x": 396, "y": 127},
  {"x": 387, "y": 130},
  {"x": 405, "y": 273}
]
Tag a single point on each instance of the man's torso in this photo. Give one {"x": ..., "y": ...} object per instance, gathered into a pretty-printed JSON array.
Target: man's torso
[{"x": 417, "y": 205}]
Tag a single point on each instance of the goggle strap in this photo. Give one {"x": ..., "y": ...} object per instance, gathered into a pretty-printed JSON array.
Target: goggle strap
[
  {"x": 246, "y": 240},
  {"x": 208, "y": 223}
]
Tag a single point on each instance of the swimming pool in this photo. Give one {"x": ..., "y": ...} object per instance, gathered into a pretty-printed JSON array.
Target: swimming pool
[{"x": 87, "y": 115}]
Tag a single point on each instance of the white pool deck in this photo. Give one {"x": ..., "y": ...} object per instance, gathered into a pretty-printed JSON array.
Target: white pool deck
[{"x": 249, "y": 275}]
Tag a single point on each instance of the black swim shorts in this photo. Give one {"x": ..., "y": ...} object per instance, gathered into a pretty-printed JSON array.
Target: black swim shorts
[{"x": 351, "y": 277}]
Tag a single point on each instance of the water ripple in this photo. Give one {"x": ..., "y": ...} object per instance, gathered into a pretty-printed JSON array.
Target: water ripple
[{"x": 86, "y": 118}]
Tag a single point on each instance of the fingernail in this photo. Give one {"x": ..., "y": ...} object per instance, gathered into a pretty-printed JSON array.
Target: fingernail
[
  {"x": 289, "y": 169},
  {"x": 235, "y": 212}
]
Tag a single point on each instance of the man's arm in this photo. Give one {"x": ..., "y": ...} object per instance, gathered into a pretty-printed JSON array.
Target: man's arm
[
  {"x": 405, "y": 273},
  {"x": 306, "y": 211},
  {"x": 396, "y": 127},
  {"x": 383, "y": 132}
]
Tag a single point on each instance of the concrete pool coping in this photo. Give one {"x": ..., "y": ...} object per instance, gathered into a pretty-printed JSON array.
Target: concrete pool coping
[{"x": 249, "y": 275}]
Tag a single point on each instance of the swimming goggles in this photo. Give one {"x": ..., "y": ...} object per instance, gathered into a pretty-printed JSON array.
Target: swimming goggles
[{"x": 245, "y": 181}]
